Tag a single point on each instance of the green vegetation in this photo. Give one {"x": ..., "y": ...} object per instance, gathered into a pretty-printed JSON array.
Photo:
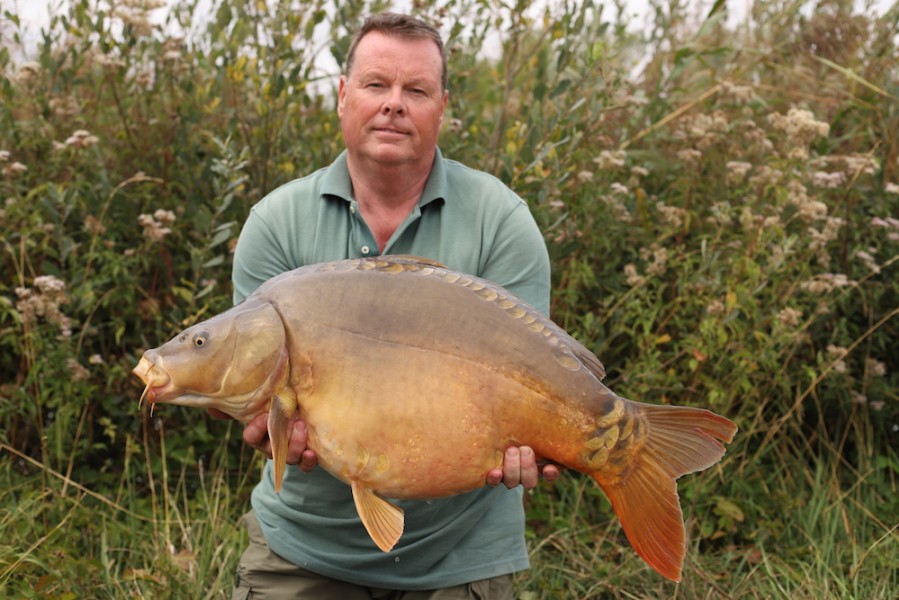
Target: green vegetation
[{"x": 721, "y": 204}]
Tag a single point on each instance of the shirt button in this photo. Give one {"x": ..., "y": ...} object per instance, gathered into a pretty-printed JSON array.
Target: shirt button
[
  {"x": 352, "y": 209},
  {"x": 365, "y": 250}
]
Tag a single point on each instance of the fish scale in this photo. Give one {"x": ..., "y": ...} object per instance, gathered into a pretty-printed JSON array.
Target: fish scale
[{"x": 453, "y": 362}]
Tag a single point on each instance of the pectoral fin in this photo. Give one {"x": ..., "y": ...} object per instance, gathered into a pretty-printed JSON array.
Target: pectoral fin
[
  {"x": 278, "y": 422},
  {"x": 382, "y": 520}
]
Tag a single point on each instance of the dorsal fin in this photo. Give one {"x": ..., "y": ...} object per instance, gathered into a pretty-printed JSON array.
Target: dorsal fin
[{"x": 411, "y": 259}]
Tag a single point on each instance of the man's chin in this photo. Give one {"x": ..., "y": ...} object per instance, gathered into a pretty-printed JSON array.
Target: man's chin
[{"x": 392, "y": 155}]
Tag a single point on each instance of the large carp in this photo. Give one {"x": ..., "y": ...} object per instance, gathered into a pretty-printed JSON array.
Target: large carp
[{"x": 413, "y": 379}]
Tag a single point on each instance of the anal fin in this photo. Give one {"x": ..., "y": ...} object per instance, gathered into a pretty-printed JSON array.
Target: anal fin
[{"x": 383, "y": 520}]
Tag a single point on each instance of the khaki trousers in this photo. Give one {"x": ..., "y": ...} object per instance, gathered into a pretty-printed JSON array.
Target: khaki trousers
[{"x": 263, "y": 575}]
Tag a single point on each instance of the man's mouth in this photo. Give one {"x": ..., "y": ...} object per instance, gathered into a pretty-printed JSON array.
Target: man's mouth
[{"x": 390, "y": 131}]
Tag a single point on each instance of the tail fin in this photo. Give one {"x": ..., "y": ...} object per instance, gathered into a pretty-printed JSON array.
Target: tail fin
[{"x": 643, "y": 492}]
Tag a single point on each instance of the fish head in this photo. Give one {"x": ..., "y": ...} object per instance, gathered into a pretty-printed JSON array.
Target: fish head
[{"x": 233, "y": 362}]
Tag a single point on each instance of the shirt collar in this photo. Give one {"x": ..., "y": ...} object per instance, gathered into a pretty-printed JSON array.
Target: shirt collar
[{"x": 336, "y": 182}]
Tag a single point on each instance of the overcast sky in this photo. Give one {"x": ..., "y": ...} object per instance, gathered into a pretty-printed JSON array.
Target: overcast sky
[{"x": 36, "y": 13}]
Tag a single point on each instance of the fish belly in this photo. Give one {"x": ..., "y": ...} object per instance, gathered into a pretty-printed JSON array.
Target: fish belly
[{"x": 413, "y": 423}]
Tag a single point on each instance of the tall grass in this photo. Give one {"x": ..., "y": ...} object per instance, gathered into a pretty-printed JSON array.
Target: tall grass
[{"x": 721, "y": 205}]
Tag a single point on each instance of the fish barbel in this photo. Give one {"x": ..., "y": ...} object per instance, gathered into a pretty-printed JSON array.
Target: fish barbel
[{"x": 413, "y": 379}]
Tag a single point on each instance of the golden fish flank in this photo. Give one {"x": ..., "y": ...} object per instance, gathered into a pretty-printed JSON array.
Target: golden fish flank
[{"x": 450, "y": 362}]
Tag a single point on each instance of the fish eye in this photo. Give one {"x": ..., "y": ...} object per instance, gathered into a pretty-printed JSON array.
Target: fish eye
[{"x": 200, "y": 339}]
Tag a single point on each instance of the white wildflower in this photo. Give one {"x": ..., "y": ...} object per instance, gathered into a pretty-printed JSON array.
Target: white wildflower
[
  {"x": 671, "y": 215},
  {"x": 891, "y": 188},
  {"x": 836, "y": 354},
  {"x": 81, "y": 139},
  {"x": 27, "y": 73},
  {"x": 689, "y": 155},
  {"x": 639, "y": 171},
  {"x": 619, "y": 211},
  {"x": 765, "y": 175},
  {"x": 799, "y": 125},
  {"x": 14, "y": 169},
  {"x": 4, "y": 156},
  {"x": 826, "y": 282},
  {"x": 859, "y": 164},
  {"x": 659, "y": 256},
  {"x": 823, "y": 179},
  {"x": 771, "y": 221},
  {"x": 737, "y": 170},
  {"x": 739, "y": 94},
  {"x": 721, "y": 214},
  {"x": 868, "y": 260},
  {"x": 77, "y": 371},
  {"x": 166, "y": 217},
  {"x": 619, "y": 188},
  {"x": 888, "y": 223},
  {"x": 111, "y": 63},
  {"x": 789, "y": 316},
  {"x": 137, "y": 19},
  {"x": 65, "y": 107},
  {"x": 155, "y": 225},
  {"x": 715, "y": 307},
  {"x": 749, "y": 219},
  {"x": 631, "y": 277},
  {"x": 703, "y": 130},
  {"x": 611, "y": 159},
  {"x": 875, "y": 367},
  {"x": 42, "y": 301},
  {"x": 93, "y": 225}
]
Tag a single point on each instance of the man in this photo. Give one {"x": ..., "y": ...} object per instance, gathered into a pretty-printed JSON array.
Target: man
[{"x": 390, "y": 192}]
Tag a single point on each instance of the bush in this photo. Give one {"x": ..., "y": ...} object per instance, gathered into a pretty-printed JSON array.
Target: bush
[{"x": 720, "y": 202}]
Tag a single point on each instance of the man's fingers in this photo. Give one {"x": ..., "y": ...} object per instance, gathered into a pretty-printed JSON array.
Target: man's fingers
[
  {"x": 529, "y": 475},
  {"x": 512, "y": 467},
  {"x": 217, "y": 414},
  {"x": 520, "y": 467},
  {"x": 255, "y": 434},
  {"x": 296, "y": 442},
  {"x": 550, "y": 472},
  {"x": 308, "y": 461}
]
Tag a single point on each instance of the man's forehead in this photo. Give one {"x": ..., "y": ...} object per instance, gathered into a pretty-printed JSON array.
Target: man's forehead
[
  {"x": 378, "y": 43},
  {"x": 392, "y": 55}
]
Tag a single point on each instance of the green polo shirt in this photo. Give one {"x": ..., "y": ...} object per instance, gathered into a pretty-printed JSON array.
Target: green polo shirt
[{"x": 469, "y": 221}]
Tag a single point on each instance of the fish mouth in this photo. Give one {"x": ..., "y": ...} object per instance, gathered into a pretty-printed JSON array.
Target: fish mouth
[{"x": 158, "y": 383}]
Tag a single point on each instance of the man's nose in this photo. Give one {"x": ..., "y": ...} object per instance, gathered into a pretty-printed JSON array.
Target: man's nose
[{"x": 394, "y": 102}]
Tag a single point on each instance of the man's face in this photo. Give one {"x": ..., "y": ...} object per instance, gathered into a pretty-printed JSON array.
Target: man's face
[{"x": 391, "y": 103}]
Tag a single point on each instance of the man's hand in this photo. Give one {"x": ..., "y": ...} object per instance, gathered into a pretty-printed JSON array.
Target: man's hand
[
  {"x": 255, "y": 434},
  {"x": 520, "y": 468}
]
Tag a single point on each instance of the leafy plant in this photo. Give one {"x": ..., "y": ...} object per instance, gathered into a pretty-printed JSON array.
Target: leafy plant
[{"x": 719, "y": 199}]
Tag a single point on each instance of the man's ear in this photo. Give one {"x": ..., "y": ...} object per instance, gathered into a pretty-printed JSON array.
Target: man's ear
[
  {"x": 341, "y": 95},
  {"x": 445, "y": 103}
]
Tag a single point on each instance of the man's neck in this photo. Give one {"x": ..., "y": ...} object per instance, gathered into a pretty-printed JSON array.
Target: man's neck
[{"x": 386, "y": 196}]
